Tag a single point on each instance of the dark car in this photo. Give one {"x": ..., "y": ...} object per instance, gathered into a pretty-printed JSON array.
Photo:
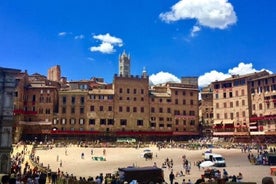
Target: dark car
[{"x": 143, "y": 175}]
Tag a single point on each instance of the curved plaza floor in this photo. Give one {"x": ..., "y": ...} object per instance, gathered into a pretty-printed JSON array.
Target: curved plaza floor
[{"x": 72, "y": 163}]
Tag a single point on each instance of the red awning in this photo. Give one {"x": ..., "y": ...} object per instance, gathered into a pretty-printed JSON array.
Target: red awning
[
  {"x": 256, "y": 118},
  {"x": 75, "y": 132},
  {"x": 152, "y": 133}
]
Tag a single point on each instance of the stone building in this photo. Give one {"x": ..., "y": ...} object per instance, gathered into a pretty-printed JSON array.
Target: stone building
[
  {"x": 232, "y": 103},
  {"x": 54, "y": 73},
  {"x": 8, "y": 84},
  {"x": 206, "y": 114},
  {"x": 35, "y": 104},
  {"x": 262, "y": 91},
  {"x": 91, "y": 108}
]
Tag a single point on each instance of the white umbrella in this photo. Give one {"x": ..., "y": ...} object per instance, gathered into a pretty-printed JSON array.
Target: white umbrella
[{"x": 206, "y": 164}]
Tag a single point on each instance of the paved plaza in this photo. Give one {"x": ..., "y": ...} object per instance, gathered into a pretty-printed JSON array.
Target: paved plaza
[{"x": 74, "y": 163}]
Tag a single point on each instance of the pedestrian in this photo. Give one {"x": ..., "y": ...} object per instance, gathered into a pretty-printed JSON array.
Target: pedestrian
[{"x": 171, "y": 176}]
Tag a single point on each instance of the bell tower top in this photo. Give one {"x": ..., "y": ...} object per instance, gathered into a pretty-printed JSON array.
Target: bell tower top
[{"x": 124, "y": 64}]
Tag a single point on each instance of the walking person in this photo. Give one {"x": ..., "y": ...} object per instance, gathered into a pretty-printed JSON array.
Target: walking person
[{"x": 171, "y": 176}]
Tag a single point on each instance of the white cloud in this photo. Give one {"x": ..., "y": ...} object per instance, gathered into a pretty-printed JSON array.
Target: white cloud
[
  {"x": 218, "y": 14},
  {"x": 209, "y": 77},
  {"x": 108, "y": 43},
  {"x": 109, "y": 39},
  {"x": 62, "y": 33},
  {"x": 242, "y": 69},
  {"x": 90, "y": 59},
  {"x": 79, "y": 37},
  {"x": 106, "y": 48},
  {"x": 162, "y": 77},
  {"x": 195, "y": 30}
]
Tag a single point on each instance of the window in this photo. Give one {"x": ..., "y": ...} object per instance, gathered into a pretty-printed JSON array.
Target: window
[
  {"x": 73, "y": 100},
  {"x": 134, "y": 109},
  {"x": 48, "y": 111},
  {"x": 92, "y": 108},
  {"x": 128, "y": 109},
  {"x": 123, "y": 122},
  {"x": 82, "y": 100},
  {"x": 110, "y": 122},
  {"x": 102, "y": 121},
  {"x": 230, "y": 94},
  {"x": 72, "y": 121},
  {"x": 192, "y": 113},
  {"x": 242, "y": 92},
  {"x": 192, "y": 122},
  {"x": 55, "y": 121},
  {"x": 142, "y": 109},
  {"x": 91, "y": 121},
  {"x": 109, "y": 108},
  {"x": 160, "y": 110},
  {"x": 142, "y": 91},
  {"x": 168, "y": 110},
  {"x": 224, "y": 95},
  {"x": 191, "y": 102},
  {"x": 81, "y": 110},
  {"x": 260, "y": 106},
  {"x": 152, "y": 110},
  {"x": 128, "y": 90},
  {"x": 101, "y": 108},
  {"x": 120, "y": 90},
  {"x": 139, "y": 122},
  {"x": 81, "y": 121},
  {"x": 184, "y": 102},
  {"x": 176, "y": 92},
  {"x": 73, "y": 110},
  {"x": 120, "y": 109}
]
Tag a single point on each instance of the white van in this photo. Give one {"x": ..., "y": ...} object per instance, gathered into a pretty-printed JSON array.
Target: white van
[{"x": 217, "y": 159}]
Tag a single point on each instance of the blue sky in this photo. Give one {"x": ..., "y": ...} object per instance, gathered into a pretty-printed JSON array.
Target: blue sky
[{"x": 209, "y": 39}]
